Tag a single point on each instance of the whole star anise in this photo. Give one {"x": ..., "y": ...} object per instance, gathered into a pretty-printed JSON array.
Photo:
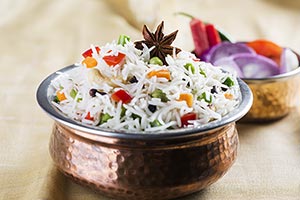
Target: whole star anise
[{"x": 161, "y": 42}]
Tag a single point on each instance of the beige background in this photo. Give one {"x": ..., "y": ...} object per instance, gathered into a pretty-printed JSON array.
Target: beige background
[{"x": 38, "y": 37}]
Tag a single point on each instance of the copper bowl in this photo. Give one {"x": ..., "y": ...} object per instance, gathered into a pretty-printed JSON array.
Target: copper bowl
[
  {"x": 157, "y": 165},
  {"x": 273, "y": 97}
]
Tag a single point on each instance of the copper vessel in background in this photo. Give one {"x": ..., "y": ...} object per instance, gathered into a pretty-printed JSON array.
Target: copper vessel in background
[{"x": 273, "y": 97}]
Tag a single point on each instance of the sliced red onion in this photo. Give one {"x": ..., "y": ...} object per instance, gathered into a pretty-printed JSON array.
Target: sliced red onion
[
  {"x": 256, "y": 66},
  {"x": 228, "y": 64},
  {"x": 288, "y": 61},
  {"x": 226, "y": 49}
]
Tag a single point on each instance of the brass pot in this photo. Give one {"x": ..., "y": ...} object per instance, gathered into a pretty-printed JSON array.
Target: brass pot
[
  {"x": 157, "y": 165},
  {"x": 273, "y": 97}
]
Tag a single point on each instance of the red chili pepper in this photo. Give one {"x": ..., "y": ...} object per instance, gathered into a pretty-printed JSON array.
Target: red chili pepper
[
  {"x": 199, "y": 36},
  {"x": 186, "y": 117},
  {"x": 212, "y": 35},
  {"x": 114, "y": 60},
  {"x": 89, "y": 117},
  {"x": 121, "y": 95},
  {"x": 88, "y": 53}
]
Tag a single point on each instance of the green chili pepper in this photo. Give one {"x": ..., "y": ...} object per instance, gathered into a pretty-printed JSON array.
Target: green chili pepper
[
  {"x": 194, "y": 91},
  {"x": 135, "y": 116},
  {"x": 158, "y": 93},
  {"x": 202, "y": 72},
  {"x": 204, "y": 97},
  {"x": 123, "y": 39},
  {"x": 73, "y": 93},
  {"x": 56, "y": 100},
  {"x": 123, "y": 111},
  {"x": 229, "y": 82},
  {"x": 104, "y": 118},
  {"x": 156, "y": 61},
  {"x": 155, "y": 123},
  {"x": 190, "y": 66}
]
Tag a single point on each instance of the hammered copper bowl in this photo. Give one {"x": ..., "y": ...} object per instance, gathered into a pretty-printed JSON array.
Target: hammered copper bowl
[
  {"x": 273, "y": 97},
  {"x": 161, "y": 165}
]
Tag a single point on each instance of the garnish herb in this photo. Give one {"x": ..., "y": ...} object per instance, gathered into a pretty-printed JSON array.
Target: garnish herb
[{"x": 161, "y": 42}]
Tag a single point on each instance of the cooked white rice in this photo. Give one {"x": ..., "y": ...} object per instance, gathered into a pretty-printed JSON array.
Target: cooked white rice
[{"x": 208, "y": 79}]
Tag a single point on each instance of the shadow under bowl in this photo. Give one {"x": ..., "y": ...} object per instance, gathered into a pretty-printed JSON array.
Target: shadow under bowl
[{"x": 157, "y": 165}]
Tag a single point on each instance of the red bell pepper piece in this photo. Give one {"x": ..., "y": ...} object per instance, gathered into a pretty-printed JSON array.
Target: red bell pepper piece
[
  {"x": 199, "y": 36},
  {"x": 186, "y": 117},
  {"x": 88, "y": 53},
  {"x": 121, "y": 95},
  {"x": 212, "y": 35},
  {"x": 89, "y": 117},
  {"x": 114, "y": 60}
]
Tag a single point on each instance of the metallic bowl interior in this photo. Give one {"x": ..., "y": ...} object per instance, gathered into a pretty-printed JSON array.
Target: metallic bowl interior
[
  {"x": 157, "y": 165},
  {"x": 273, "y": 97}
]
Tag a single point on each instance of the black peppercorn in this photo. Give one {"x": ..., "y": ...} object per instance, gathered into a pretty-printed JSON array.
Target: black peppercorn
[
  {"x": 224, "y": 89},
  {"x": 92, "y": 92},
  {"x": 152, "y": 108},
  {"x": 133, "y": 80},
  {"x": 213, "y": 90}
]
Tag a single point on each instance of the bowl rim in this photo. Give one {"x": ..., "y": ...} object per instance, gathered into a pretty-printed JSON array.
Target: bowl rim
[
  {"x": 278, "y": 77},
  {"x": 44, "y": 100}
]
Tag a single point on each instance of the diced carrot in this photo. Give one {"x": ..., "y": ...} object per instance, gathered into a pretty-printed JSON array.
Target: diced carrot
[
  {"x": 266, "y": 48},
  {"x": 60, "y": 96},
  {"x": 228, "y": 96},
  {"x": 163, "y": 73},
  {"x": 186, "y": 97},
  {"x": 90, "y": 62}
]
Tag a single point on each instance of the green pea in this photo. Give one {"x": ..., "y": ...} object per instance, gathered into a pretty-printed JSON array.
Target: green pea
[{"x": 156, "y": 61}]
